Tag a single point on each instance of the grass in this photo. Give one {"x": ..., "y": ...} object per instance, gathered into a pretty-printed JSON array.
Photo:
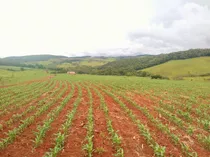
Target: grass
[
  {"x": 180, "y": 68},
  {"x": 92, "y": 62},
  {"x": 12, "y": 77},
  {"x": 11, "y": 68}
]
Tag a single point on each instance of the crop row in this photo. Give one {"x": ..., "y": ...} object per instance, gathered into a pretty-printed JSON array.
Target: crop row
[
  {"x": 12, "y": 134},
  {"x": 16, "y": 117},
  {"x": 42, "y": 129},
  {"x": 62, "y": 134}
]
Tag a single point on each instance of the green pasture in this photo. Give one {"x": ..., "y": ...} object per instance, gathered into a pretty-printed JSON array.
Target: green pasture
[{"x": 182, "y": 68}]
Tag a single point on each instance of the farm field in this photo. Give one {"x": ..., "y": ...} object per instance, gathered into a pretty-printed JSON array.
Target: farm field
[{"x": 103, "y": 116}]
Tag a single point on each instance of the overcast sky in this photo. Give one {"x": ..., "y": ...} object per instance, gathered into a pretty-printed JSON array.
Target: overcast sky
[{"x": 102, "y": 27}]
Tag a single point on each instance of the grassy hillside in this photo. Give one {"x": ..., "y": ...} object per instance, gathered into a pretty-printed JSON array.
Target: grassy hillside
[
  {"x": 12, "y": 75},
  {"x": 32, "y": 61},
  {"x": 180, "y": 68},
  {"x": 53, "y": 62},
  {"x": 132, "y": 65},
  {"x": 129, "y": 65},
  {"x": 88, "y": 61}
]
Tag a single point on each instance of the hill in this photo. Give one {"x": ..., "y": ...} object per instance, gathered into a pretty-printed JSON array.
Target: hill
[
  {"x": 182, "y": 68},
  {"x": 25, "y": 61},
  {"x": 32, "y": 58},
  {"x": 133, "y": 65},
  {"x": 127, "y": 65},
  {"x": 56, "y": 62}
]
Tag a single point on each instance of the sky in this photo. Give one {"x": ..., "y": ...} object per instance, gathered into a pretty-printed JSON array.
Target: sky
[{"x": 102, "y": 27}]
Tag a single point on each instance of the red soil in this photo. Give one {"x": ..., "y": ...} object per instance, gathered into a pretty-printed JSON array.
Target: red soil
[
  {"x": 22, "y": 109},
  {"x": 132, "y": 142},
  {"x": 189, "y": 140},
  {"x": 22, "y": 146},
  {"x": 157, "y": 134},
  {"x": 101, "y": 140},
  {"x": 77, "y": 133},
  {"x": 48, "y": 141}
]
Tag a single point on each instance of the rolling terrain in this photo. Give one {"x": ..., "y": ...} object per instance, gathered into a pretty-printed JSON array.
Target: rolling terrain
[
  {"x": 193, "y": 62},
  {"x": 182, "y": 68}
]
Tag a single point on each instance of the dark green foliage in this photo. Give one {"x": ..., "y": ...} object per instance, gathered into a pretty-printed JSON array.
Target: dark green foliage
[
  {"x": 25, "y": 61},
  {"x": 159, "y": 77},
  {"x": 132, "y": 66},
  {"x": 128, "y": 66},
  {"x": 138, "y": 63}
]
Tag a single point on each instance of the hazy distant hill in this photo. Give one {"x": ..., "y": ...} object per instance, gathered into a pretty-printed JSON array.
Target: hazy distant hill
[
  {"x": 121, "y": 65},
  {"x": 32, "y": 58},
  {"x": 53, "y": 62}
]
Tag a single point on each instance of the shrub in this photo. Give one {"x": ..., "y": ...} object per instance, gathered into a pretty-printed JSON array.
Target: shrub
[{"x": 159, "y": 77}]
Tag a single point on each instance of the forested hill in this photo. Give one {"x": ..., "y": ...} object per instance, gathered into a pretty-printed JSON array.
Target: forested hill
[
  {"x": 25, "y": 61},
  {"x": 131, "y": 65}
]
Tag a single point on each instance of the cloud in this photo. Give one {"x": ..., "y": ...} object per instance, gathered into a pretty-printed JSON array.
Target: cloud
[
  {"x": 182, "y": 28},
  {"x": 98, "y": 27}
]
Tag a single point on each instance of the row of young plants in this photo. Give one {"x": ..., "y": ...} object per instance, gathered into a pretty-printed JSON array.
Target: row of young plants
[
  {"x": 164, "y": 128},
  {"x": 12, "y": 134},
  {"x": 144, "y": 131},
  {"x": 184, "y": 111},
  {"x": 42, "y": 129},
  {"x": 202, "y": 111},
  {"x": 16, "y": 117},
  {"x": 24, "y": 100},
  {"x": 19, "y": 97},
  {"x": 9, "y": 93},
  {"x": 7, "y": 90},
  {"x": 186, "y": 116},
  {"x": 62, "y": 134},
  {"x": 11, "y": 99},
  {"x": 16, "y": 92},
  {"x": 204, "y": 139},
  {"x": 88, "y": 147},
  {"x": 189, "y": 110},
  {"x": 187, "y": 128},
  {"x": 116, "y": 139}
]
